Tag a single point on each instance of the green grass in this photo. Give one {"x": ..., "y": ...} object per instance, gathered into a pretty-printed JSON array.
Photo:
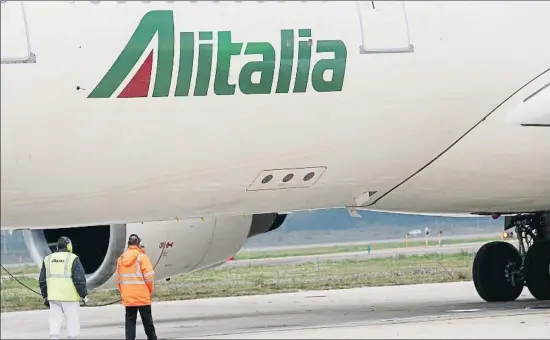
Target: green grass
[
  {"x": 20, "y": 270},
  {"x": 240, "y": 281},
  {"x": 254, "y": 255}
]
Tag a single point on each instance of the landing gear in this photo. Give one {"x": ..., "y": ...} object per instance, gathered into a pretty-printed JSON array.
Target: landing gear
[
  {"x": 537, "y": 270},
  {"x": 500, "y": 271},
  {"x": 497, "y": 272}
]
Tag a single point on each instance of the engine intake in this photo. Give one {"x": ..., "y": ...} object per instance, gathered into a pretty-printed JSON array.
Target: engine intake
[{"x": 98, "y": 248}]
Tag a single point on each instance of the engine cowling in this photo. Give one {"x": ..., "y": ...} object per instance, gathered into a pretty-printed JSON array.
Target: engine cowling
[{"x": 174, "y": 247}]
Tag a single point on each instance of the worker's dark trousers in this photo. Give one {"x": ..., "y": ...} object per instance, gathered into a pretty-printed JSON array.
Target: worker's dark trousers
[{"x": 146, "y": 319}]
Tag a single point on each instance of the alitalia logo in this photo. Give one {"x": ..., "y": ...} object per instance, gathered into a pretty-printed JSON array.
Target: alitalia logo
[{"x": 293, "y": 55}]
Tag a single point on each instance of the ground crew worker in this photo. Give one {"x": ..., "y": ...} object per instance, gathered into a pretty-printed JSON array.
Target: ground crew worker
[
  {"x": 62, "y": 284},
  {"x": 135, "y": 280}
]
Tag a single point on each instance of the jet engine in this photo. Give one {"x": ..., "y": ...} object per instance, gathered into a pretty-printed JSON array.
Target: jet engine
[{"x": 175, "y": 247}]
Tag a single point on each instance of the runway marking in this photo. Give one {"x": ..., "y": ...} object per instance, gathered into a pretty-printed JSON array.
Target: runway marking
[{"x": 463, "y": 310}]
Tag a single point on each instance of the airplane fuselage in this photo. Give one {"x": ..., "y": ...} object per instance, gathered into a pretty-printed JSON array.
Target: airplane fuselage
[{"x": 148, "y": 111}]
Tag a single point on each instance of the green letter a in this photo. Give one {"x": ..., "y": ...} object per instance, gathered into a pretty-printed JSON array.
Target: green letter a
[{"x": 151, "y": 23}]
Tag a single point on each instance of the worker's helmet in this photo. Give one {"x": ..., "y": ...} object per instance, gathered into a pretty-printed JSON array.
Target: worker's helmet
[
  {"x": 134, "y": 240},
  {"x": 65, "y": 243}
]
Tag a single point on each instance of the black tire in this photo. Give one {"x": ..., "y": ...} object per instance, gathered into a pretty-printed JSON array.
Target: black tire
[
  {"x": 537, "y": 270},
  {"x": 488, "y": 272}
]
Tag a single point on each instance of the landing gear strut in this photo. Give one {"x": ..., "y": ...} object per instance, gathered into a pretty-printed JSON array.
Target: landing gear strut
[{"x": 501, "y": 271}]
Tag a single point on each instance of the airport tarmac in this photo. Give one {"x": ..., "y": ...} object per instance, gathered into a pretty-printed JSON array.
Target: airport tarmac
[
  {"x": 356, "y": 256},
  {"x": 451, "y": 310},
  {"x": 361, "y": 255},
  {"x": 420, "y": 238}
]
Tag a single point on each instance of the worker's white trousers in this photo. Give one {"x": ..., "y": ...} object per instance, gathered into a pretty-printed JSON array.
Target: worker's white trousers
[{"x": 64, "y": 309}]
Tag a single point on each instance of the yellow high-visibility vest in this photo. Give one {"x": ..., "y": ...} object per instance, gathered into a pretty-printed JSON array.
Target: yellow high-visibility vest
[{"x": 58, "y": 277}]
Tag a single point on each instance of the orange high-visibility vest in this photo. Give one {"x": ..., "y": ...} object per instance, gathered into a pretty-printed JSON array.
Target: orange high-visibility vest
[{"x": 135, "y": 277}]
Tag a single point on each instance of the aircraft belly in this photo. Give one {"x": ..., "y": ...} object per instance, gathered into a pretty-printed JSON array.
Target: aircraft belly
[
  {"x": 76, "y": 153},
  {"x": 500, "y": 166}
]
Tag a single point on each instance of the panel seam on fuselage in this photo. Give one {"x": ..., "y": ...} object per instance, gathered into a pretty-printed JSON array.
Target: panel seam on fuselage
[
  {"x": 208, "y": 248},
  {"x": 456, "y": 141}
]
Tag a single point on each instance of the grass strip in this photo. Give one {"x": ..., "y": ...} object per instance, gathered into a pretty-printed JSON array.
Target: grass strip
[{"x": 241, "y": 281}]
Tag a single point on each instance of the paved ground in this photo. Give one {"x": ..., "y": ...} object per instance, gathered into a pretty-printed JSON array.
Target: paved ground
[
  {"x": 420, "y": 238},
  {"x": 451, "y": 310}
]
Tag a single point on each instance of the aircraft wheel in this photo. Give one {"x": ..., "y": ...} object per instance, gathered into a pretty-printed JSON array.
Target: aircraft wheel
[
  {"x": 495, "y": 272},
  {"x": 537, "y": 270}
]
